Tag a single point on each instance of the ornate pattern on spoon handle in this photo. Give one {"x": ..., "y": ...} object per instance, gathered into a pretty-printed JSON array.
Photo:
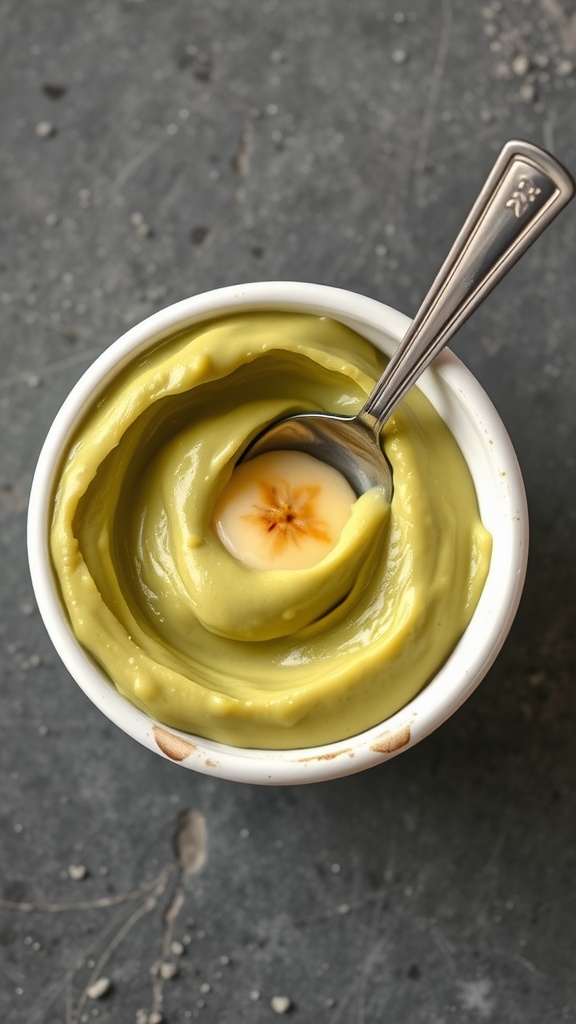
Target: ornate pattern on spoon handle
[{"x": 525, "y": 190}]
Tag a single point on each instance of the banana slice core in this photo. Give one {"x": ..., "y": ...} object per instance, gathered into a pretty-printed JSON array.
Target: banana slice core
[{"x": 283, "y": 510}]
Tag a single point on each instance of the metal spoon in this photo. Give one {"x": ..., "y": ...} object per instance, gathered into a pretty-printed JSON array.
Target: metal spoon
[{"x": 525, "y": 190}]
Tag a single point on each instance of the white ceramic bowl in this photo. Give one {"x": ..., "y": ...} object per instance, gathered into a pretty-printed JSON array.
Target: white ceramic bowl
[{"x": 475, "y": 424}]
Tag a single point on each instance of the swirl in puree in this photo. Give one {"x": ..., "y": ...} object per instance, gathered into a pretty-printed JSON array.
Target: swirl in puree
[{"x": 276, "y": 653}]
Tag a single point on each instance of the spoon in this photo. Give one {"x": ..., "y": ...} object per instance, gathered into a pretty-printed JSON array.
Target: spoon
[{"x": 525, "y": 190}]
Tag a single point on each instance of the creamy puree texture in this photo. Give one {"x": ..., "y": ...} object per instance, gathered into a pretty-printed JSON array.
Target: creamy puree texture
[{"x": 275, "y": 658}]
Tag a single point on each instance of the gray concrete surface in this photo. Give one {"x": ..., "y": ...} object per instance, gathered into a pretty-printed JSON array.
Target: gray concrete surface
[{"x": 152, "y": 150}]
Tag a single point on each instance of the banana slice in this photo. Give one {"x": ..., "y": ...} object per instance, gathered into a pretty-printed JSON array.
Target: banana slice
[{"x": 283, "y": 510}]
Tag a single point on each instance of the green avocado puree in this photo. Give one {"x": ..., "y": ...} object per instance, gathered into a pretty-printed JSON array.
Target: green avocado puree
[{"x": 266, "y": 659}]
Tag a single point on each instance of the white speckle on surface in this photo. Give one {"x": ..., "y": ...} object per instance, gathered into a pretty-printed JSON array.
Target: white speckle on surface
[
  {"x": 564, "y": 67},
  {"x": 280, "y": 1004},
  {"x": 44, "y": 129},
  {"x": 99, "y": 988},
  {"x": 521, "y": 65},
  {"x": 168, "y": 971},
  {"x": 476, "y": 996},
  {"x": 527, "y": 92},
  {"x": 77, "y": 872}
]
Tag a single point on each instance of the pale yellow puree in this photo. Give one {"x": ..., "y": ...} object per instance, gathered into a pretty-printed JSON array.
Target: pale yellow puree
[{"x": 269, "y": 659}]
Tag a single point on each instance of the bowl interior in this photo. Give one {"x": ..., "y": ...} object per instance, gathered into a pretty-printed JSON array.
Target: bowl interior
[{"x": 483, "y": 440}]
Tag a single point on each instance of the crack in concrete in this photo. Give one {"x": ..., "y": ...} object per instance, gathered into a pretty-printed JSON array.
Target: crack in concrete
[
  {"x": 64, "y": 984},
  {"x": 436, "y": 79},
  {"x": 97, "y": 904},
  {"x": 146, "y": 907},
  {"x": 131, "y": 166},
  {"x": 190, "y": 844}
]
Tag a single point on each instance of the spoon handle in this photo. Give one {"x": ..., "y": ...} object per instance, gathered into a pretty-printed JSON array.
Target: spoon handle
[{"x": 525, "y": 190}]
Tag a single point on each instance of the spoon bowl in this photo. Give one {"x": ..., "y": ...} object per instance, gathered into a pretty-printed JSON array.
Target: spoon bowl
[
  {"x": 345, "y": 442},
  {"x": 525, "y": 190}
]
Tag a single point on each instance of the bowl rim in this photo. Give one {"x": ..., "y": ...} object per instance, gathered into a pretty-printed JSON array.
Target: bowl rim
[{"x": 476, "y": 650}]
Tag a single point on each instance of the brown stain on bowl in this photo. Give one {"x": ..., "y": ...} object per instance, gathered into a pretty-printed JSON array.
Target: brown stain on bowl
[
  {"x": 173, "y": 746},
  {"x": 391, "y": 741},
  {"x": 328, "y": 757}
]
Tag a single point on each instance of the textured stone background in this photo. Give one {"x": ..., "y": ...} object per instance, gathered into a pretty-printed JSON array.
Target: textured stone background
[{"x": 152, "y": 150}]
